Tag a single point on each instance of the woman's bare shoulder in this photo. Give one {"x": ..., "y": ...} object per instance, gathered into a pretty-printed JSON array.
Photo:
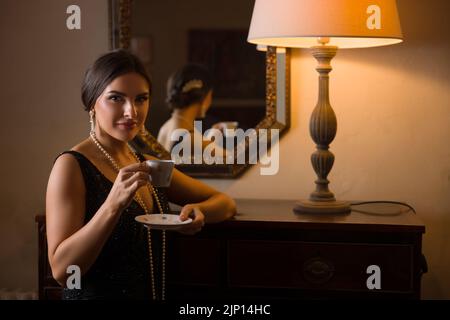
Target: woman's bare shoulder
[
  {"x": 175, "y": 123},
  {"x": 67, "y": 165},
  {"x": 89, "y": 151},
  {"x": 66, "y": 176},
  {"x": 83, "y": 147}
]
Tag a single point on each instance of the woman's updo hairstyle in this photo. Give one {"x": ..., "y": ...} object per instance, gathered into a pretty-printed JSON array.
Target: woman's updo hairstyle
[
  {"x": 188, "y": 85},
  {"x": 105, "y": 69}
]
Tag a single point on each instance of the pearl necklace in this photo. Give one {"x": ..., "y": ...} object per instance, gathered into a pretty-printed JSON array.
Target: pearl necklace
[{"x": 142, "y": 204}]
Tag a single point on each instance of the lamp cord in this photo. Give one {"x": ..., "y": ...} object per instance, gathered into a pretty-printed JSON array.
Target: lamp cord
[
  {"x": 385, "y": 201},
  {"x": 423, "y": 260}
]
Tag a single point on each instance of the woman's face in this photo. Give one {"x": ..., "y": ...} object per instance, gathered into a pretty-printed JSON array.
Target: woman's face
[{"x": 121, "y": 110}]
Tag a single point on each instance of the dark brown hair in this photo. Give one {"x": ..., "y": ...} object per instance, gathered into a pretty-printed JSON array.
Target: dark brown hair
[
  {"x": 179, "y": 99},
  {"x": 105, "y": 69}
]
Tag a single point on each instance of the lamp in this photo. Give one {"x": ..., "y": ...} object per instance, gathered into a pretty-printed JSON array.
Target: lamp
[
  {"x": 263, "y": 48},
  {"x": 324, "y": 26}
]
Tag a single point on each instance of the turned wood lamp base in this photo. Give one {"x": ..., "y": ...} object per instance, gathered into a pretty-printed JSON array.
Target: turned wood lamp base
[{"x": 323, "y": 127}]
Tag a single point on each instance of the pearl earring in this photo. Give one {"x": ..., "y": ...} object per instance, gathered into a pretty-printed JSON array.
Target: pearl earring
[{"x": 92, "y": 121}]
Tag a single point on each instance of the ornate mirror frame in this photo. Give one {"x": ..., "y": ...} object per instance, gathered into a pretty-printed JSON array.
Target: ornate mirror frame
[{"x": 277, "y": 97}]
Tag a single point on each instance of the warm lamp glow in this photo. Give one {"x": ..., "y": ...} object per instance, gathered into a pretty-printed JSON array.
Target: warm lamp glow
[
  {"x": 342, "y": 43},
  {"x": 348, "y": 23},
  {"x": 261, "y": 47},
  {"x": 324, "y": 26}
]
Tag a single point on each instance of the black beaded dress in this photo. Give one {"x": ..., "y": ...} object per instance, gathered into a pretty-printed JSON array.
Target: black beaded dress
[{"x": 122, "y": 270}]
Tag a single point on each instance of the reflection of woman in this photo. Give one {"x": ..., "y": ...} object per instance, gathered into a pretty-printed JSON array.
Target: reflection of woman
[
  {"x": 189, "y": 95},
  {"x": 96, "y": 190}
]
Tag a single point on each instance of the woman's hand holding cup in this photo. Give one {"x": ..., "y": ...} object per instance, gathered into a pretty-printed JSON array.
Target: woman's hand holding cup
[{"x": 128, "y": 181}]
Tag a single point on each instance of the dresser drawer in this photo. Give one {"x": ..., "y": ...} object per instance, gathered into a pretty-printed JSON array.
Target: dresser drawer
[
  {"x": 194, "y": 261},
  {"x": 329, "y": 266}
]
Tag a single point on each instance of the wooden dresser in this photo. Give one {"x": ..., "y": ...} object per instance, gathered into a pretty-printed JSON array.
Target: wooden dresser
[{"x": 268, "y": 252}]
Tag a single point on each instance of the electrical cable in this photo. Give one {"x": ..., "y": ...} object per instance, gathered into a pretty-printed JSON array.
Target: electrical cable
[{"x": 384, "y": 201}]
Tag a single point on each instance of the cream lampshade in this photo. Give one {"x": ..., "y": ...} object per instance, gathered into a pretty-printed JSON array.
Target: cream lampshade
[
  {"x": 348, "y": 23},
  {"x": 324, "y": 26}
]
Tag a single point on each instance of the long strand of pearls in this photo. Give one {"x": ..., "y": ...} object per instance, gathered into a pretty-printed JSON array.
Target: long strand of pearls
[
  {"x": 163, "y": 262},
  {"x": 143, "y": 205}
]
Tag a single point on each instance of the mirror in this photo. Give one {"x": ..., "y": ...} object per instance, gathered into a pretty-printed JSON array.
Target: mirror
[{"x": 250, "y": 87}]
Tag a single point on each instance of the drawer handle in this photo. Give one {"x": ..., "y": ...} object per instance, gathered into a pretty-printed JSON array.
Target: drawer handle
[{"x": 318, "y": 271}]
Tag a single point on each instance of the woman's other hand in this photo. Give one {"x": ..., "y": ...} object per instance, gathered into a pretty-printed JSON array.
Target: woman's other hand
[{"x": 198, "y": 219}]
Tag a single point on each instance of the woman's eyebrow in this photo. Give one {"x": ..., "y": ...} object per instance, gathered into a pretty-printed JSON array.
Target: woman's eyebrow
[
  {"x": 117, "y": 92},
  {"x": 124, "y": 94}
]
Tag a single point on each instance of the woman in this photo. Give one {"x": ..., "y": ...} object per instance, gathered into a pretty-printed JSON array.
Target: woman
[
  {"x": 96, "y": 189},
  {"x": 189, "y": 96}
]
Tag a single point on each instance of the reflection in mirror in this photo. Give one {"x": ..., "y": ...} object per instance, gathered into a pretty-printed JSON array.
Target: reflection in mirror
[
  {"x": 169, "y": 34},
  {"x": 250, "y": 87}
]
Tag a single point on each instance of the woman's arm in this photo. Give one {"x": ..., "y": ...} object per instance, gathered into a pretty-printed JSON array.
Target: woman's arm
[
  {"x": 190, "y": 193},
  {"x": 70, "y": 241},
  {"x": 201, "y": 202}
]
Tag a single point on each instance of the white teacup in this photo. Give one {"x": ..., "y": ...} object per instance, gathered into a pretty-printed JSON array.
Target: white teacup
[{"x": 161, "y": 172}]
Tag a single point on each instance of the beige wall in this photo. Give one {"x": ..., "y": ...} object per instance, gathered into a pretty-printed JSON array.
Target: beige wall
[
  {"x": 393, "y": 140},
  {"x": 392, "y": 104},
  {"x": 42, "y": 64}
]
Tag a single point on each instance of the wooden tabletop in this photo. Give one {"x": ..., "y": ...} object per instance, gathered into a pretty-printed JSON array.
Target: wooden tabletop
[{"x": 370, "y": 216}]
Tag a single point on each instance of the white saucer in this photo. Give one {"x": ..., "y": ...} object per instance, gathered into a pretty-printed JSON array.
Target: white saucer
[{"x": 162, "y": 221}]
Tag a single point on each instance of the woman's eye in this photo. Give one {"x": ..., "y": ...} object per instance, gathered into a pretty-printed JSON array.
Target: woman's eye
[
  {"x": 141, "y": 99},
  {"x": 115, "y": 98}
]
